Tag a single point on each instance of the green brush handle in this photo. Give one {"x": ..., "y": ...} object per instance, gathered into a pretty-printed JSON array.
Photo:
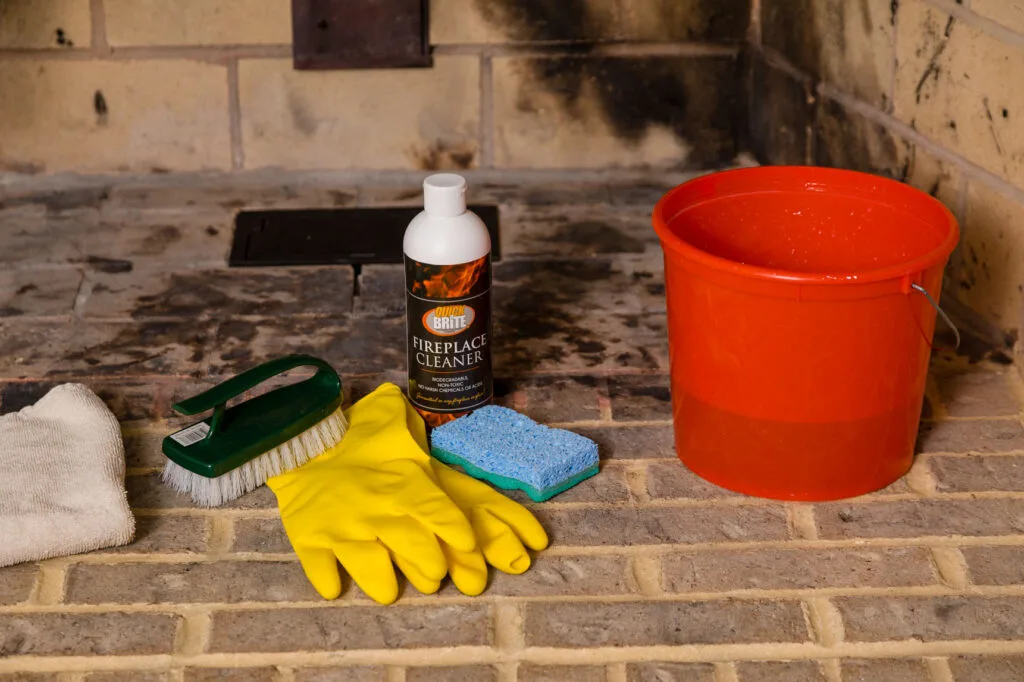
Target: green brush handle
[
  {"x": 240, "y": 433},
  {"x": 217, "y": 397}
]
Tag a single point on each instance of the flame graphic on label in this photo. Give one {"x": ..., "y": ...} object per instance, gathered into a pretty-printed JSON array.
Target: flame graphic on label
[
  {"x": 453, "y": 281},
  {"x": 448, "y": 320}
]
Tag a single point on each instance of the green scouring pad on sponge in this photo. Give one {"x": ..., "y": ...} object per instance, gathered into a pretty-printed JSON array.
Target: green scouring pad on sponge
[{"x": 513, "y": 452}]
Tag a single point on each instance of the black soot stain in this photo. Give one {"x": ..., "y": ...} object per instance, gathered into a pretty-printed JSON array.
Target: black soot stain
[
  {"x": 698, "y": 99},
  {"x": 99, "y": 105},
  {"x": 62, "y": 38},
  {"x": 149, "y": 342},
  {"x": 441, "y": 155},
  {"x": 596, "y": 237},
  {"x": 159, "y": 239},
  {"x": 551, "y": 312},
  {"x": 111, "y": 266}
]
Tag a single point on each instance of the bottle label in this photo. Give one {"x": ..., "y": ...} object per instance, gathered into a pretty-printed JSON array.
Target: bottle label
[{"x": 449, "y": 323}]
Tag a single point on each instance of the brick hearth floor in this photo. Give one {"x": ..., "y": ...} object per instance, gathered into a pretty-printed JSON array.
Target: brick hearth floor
[{"x": 652, "y": 574}]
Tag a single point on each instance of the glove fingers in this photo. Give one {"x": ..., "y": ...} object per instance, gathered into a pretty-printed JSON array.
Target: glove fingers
[
  {"x": 321, "y": 569},
  {"x": 369, "y": 565},
  {"x": 441, "y": 516},
  {"x": 500, "y": 545},
  {"x": 519, "y": 519},
  {"x": 422, "y": 583},
  {"x": 468, "y": 570},
  {"x": 417, "y": 547},
  {"x": 470, "y": 492}
]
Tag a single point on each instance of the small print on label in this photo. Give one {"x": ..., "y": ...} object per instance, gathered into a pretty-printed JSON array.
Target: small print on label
[{"x": 192, "y": 434}]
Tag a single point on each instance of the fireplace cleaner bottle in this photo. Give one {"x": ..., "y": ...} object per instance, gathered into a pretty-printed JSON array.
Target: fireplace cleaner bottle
[{"x": 448, "y": 304}]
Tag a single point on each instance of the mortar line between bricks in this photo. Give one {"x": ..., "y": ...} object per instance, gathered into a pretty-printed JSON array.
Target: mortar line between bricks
[
  {"x": 754, "y": 23},
  {"x": 960, "y": 208},
  {"x": 395, "y": 673},
  {"x": 921, "y": 480},
  {"x": 934, "y": 397},
  {"x": 831, "y": 670},
  {"x": 222, "y": 53},
  {"x": 194, "y": 630},
  {"x": 997, "y": 31},
  {"x": 98, "y": 21},
  {"x": 952, "y": 419},
  {"x": 601, "y": 423},
  {"x": 51, "y": 584},
  {"x": 748, "y": 595},
  {"x": 778, "y": 504},
  {"x": 235, "y": 117},
  {"x": 85, "y": 287},
  {"x": 801, "y": 522},
  {"x": 726, "y": 672},
  {"x": 600, "y": 48},
  {"x": 568, "y": 551},
  {"x": 221, "y": 536},
  {"x": 1016, "y": 381},
  {"x": 938, "y": 669},
  {"x": 142, "y": 471},
  {"x": 646, "y": 573},
  {"x": 890, "y": 90},
  {"x": 631, "y": 505},
  {"x": 507, "y": 672},
  {"x": 508, "y": 623},
  {"x": 951, "y": 567},
  {"x": 616, "y": 672},
  {"x": 208, "y": 53},
  {"x": 604, "y": 401},
  {"x": 616, "y": 550},
  {"x": 825, "y": 621},
  {"x": 485, "y": 135},
  {"x": 471, "y": 655},
  {"x": 635, "y": 474},
  {"x": 369, "y": 178},
  {"x": 648, "y": 548},
  {"x": 972, "y": 455}
]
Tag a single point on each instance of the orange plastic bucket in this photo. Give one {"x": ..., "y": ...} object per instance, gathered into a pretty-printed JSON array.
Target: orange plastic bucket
[{"x": 799, "y": 330}]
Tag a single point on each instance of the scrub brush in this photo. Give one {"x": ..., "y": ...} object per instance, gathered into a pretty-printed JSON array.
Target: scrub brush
[
  {"x": 512, "y": 451},
  {"x": 236, "y": 449}
]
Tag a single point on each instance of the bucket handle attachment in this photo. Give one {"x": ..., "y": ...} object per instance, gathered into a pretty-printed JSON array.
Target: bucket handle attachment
[{"x": 942, "y": 313}]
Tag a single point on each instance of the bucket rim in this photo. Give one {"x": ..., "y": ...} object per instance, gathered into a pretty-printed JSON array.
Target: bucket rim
[{"x": 812, "y": 178}]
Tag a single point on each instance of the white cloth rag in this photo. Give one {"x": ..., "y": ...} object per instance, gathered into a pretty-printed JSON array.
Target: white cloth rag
[{"x": 62, "y": 478}]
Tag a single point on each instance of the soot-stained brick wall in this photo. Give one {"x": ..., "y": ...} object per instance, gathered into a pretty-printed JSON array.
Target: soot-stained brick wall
[
  {"x": 595, "y": 69},
  {"x": 919, "y": 91},
  {"x": 523, "y": 84}
]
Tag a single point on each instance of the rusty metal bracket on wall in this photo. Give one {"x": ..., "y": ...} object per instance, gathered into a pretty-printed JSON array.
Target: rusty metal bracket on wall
[{"x": 360, "y": 34}]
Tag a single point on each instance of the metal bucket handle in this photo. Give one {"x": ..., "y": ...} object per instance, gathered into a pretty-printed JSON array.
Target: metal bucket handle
[{"x": 942, "y": 313}]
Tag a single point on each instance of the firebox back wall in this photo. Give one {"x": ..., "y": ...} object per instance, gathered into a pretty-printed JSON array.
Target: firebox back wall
[{"x": 208, "y": 85}]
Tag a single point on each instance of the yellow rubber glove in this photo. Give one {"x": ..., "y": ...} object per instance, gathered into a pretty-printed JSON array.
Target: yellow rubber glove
[
  {"x": 501, "y": 525},
  {"x": 371, "y": 500}
]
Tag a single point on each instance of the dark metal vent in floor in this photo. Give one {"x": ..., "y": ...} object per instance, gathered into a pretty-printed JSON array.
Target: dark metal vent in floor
[{"x": 335, "y": 236}]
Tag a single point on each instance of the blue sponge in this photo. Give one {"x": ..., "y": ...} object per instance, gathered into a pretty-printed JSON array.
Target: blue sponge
[{"x": 512, "y": 451}]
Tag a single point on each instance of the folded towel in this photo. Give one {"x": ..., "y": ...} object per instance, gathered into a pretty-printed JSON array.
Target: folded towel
[{"x": 62, "y": 478}]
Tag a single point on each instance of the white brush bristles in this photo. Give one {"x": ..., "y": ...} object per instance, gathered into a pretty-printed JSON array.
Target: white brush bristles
[{"x": 213, "y": 492}]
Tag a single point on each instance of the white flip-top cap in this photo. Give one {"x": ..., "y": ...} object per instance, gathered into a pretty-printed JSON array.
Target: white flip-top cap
[{"x": 444, "y": 195}]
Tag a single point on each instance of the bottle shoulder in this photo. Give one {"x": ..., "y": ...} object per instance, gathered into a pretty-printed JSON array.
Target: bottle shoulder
[{"x": 440, "y": 240}]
